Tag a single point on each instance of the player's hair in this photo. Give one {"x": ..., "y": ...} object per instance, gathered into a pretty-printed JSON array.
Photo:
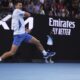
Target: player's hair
[{"x": 18, "y": 1}]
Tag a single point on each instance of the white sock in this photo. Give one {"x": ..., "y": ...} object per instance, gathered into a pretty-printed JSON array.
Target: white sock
[
  {"x": 44, "y": 52},
  {"x": 0, "y": 59}
]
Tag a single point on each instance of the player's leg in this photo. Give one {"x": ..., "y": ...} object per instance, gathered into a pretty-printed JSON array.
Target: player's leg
[
  {"x": 16, "y": 43},
  {"x": 37, "y": 43},
  {"x": 29, "y": 38},
  {"x": 9, "y": 53},
  {"x": 41, "y": 48}
]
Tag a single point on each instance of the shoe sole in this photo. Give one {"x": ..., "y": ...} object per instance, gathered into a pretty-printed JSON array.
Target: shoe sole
[{"x": 54, "y": 53}]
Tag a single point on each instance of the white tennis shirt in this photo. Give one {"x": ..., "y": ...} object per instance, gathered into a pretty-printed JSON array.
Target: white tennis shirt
[{"x": 17, "y": 23}]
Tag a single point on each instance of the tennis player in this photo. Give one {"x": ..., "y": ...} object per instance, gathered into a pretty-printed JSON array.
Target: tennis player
[{"x": 20, "y": 34}]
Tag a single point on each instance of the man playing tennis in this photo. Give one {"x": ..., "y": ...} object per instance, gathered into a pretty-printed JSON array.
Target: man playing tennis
[{"x": 20, "y": 34}]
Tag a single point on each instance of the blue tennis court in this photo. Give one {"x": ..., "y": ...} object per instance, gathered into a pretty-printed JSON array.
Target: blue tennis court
[{"x": 39, "y": 71}]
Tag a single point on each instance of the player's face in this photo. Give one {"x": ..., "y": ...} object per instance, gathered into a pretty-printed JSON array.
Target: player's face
[{"x": 19, "y": 5}]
